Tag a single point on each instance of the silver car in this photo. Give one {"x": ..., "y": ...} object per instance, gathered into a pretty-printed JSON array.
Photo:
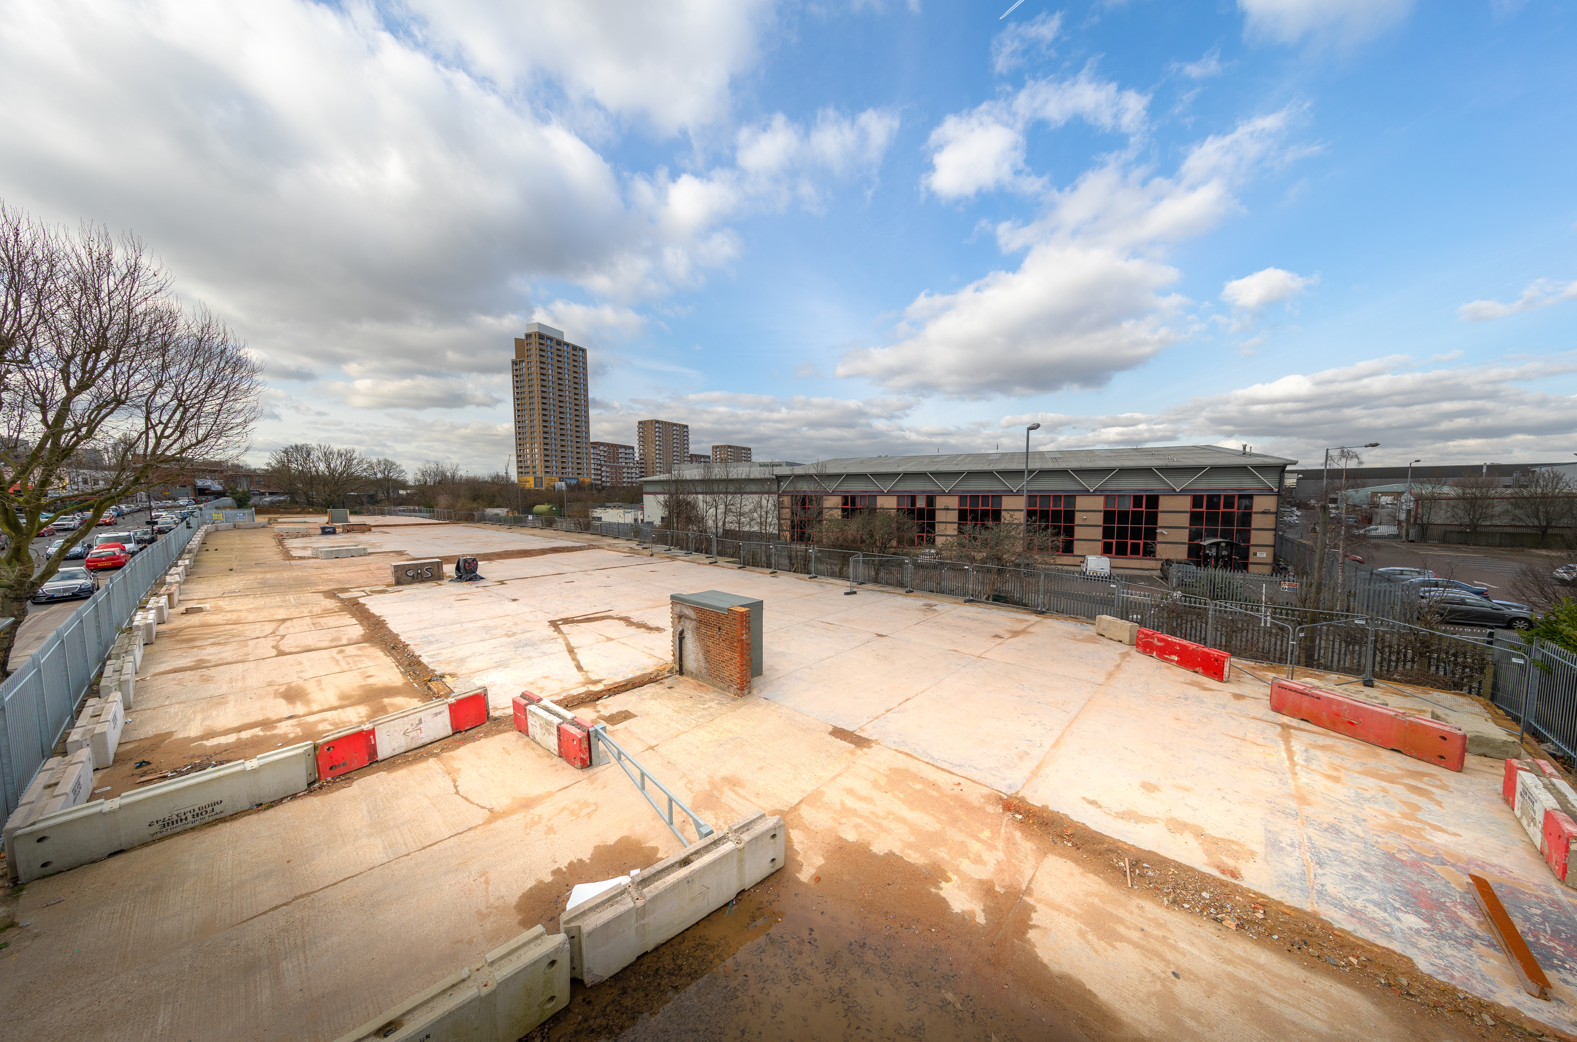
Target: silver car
[{"x": 67, "y": 584}]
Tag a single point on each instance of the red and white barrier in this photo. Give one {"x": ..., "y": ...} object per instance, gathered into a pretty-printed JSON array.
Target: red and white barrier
[
  {"x": 1196, "y": 657},
  {"x": 557, "y": 730},
  {"x": 1417, "y": 736},
  {"x": 1546, "y": 806},
  {"x": 343, "y": 751}
]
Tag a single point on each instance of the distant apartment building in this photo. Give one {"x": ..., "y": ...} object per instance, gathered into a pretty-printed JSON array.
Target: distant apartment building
[
  {"x": 660, "y": 446},
  {"x": 552, "y": 419},
  {"x": 613, "y": 465},
  {"x": 730, "y": 454},
  {"x": 699, "y": 457}
]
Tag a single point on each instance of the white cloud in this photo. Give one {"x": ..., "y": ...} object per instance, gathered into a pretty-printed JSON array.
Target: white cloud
[
  {"x": 669, "y": 62},
  {"x": 1091, "y": 295},
  {"x": 346, "y": 196},
  {"x": 1022, "y": 41},
  {"x": 1263, "y": 288},
  {"x": 1446, "y": 415},
  {"x": 983, "y": 149},
  {"x": 1541, "y": 293},
  {"x": 1340, "y": 22},
  {"x": 1252, "y": 294},
  {"x": 1205, "y": 68},
  {"x": 430, "y": 392}
]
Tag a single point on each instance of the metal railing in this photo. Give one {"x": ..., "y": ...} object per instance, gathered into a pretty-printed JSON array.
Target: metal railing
[
  {"x": 39, "y": 700},
  {"x": 599, "y": 735},
  {"x": 1246, "y": 614},
  {"x": 1535, "y": 682}
]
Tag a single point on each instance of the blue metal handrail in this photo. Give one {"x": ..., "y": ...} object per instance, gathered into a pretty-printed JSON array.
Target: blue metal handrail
[{"x": 599, "y": 733}]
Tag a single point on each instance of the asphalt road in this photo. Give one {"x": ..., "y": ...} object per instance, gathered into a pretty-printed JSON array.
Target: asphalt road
[{"x": 43, "y": 619}]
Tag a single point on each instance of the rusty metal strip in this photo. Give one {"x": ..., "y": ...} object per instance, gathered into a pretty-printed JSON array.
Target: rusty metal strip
[{"x": 1523, "y": 964}]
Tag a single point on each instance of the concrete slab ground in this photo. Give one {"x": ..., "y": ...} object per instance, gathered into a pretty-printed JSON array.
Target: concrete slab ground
[
  {"x": 1044, "y": 709},
  {"x": 919, "y": 897},
  {"x": 278, "y": 659}
]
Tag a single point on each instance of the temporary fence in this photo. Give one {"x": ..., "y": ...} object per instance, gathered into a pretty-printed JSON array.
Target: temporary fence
[
  {"x": 1535, "y": 683},
  {"x": 39, "y": 700},
  {"x": 1250, "y": 616}
]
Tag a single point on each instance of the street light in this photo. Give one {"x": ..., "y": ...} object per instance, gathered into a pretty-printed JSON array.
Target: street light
[
  {"x": 1025, "y": 489},
  {"x": 1407, "y": 507},
  {"x": 1344, "y": 453}
]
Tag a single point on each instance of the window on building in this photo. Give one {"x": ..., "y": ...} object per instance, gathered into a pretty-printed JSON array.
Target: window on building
[
  {"x": 1221, "y": 515},
  {"x": 978, "y": 512},
  {"x": 804, "y": 518},
  {"x": 922, "y": 511},
  {"x": 1128, "y": 526},
  {"x": 858, "y": 505},
  {"x": 1050, "y": 523}
]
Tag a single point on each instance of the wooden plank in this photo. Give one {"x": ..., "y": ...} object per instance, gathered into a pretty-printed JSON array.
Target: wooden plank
[{"x": 1523, "y": 964}]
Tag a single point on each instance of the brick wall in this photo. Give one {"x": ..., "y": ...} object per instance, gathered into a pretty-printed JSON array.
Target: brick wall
[{"x": 713, "y": 646}]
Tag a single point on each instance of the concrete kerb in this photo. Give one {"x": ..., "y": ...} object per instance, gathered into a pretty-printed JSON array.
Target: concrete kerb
[
  {"x": 613, "y": 929},
  {"x": 515, "y": 988},
  {"x": 92, "y": 831}
]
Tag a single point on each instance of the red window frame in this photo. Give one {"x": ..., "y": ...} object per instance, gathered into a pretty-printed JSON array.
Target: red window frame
[
  {"x": 1052, "y": 515},
  {"x": 1129, "y": 523}
]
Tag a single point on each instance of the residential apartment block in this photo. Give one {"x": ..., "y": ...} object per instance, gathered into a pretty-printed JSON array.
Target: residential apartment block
[
  {"x": 613, "y": 465},
  {"x": 699, "y": 457},
  {"x": 660, "y": 446},
  {"x": 552, "y": 419},
  {"x": 730, "y": 454}
]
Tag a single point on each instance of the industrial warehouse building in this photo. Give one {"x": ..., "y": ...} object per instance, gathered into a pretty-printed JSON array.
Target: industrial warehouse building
[{"x": 1198, "y": 503}]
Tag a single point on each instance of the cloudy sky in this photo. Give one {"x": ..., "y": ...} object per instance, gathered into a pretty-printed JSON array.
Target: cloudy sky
[{"x": 849, "y": 226}]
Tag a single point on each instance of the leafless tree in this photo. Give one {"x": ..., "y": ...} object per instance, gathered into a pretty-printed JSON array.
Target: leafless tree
[
  {"x": 385, "y": 476},
  {"x": 319, "y": 475},
  {"x": 1477, "y": 499},
  {"x": 1429, "y": 498},
  {"x": 107, "y": 388},
  {"x": 435, "y": 472},
  {"x": 1546, "y": 502},
  {"x": 1536, "y": 586}
]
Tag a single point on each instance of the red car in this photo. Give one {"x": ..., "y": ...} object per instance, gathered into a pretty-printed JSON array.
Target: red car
[
  {"x": 108, "y": 519},
  {"x": 107, "y": 555}
]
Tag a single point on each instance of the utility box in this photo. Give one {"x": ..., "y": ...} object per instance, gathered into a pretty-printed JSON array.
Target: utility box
[
  {"x": 717, "y": 638},
  {"x": 339, "y": 516}
]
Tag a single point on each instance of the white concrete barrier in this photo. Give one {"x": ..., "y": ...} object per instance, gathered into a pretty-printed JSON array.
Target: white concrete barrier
[
  {"x": 1113, "y": 628},
  {"x": 405, "y": 730},
  {"x": 63, "y": 782},
  {"x": 512, "y": 990},
  {"x": 98, "y": 728},
  {"x": 542, "y": 723},
  {"x": 160, "y": 606},
  {"x": 172, "y": 593},
  {"x": 329, "y": 553},
  {"x": 60, "y": 841},
  {"x": 144, "y": 620},
  {"x": 613, "y": 929}
]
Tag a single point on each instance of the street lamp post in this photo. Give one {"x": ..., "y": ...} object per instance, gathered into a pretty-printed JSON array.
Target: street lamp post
[
  {"x": 1345, "y": 454},
  {"x": 1025, "y": 489},
  {"x": 1407, "y": 508}
]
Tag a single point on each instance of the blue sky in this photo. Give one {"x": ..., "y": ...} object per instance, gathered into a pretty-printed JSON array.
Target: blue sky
[{"x": 838, "y": 229}]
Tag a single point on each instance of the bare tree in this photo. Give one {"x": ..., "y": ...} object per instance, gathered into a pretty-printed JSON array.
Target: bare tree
[
  {"x": 385, "y": 476},
  {"x": 437, "y": 473},
  {"x": 318, "y": 475},
  {"x": 1546, "y": 503},
  {"x": 1477, "y": 499},
  {"x": 1428, "y": 503},
  {"x": 107, "y": 388}
]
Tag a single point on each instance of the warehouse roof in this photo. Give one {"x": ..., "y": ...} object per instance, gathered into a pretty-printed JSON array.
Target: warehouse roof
[{"x": 1068, "y": 459}]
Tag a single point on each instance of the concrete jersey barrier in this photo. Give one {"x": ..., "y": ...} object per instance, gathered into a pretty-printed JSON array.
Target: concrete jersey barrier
[
  {"x": 1420, "y": 737},
  {"x": 613, "y": 929},
  {"x": 515, "y": 988},
  {"x": 64, "y": 840},
  {"x": 340, "y": 752}
]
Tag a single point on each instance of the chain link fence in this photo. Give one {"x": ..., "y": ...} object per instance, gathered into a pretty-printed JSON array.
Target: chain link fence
[{"x": 39, "y": 700}]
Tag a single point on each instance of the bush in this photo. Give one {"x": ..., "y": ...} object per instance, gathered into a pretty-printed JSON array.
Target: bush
[{"x": 1558, "y": 625}]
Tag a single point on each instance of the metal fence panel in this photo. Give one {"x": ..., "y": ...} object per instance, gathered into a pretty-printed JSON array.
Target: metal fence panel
[{"x": 38, "y": 701}]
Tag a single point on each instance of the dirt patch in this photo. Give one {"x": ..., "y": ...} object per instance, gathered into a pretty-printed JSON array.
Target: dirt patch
[
  {"x": 380, "y": 635},
  {"x": 581, "y": 698},
  {"x": 845, "y": 735},
  {"x": 1220, "y": 903},
  {"x": 514, "y": 555},
  {"x": 617, "y": 718}
]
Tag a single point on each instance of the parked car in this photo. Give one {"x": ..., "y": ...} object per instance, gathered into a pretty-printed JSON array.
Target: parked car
[
  {"x": 1407, "y": 573},
  {"x": 67, "y": 584},
  {"x": 110, "y": 555},
  {"x": 1379, "y": 530},
  {"x": 164, "y": 525},
  {"x": 1437, "y": 583},
  {"x": 1566, "y": 573},
  {"x": 76, "y": 553},
  {"x": 144, "y": 537},
  {"x": 62, "y": 523},
  {"x": 125, "y": 539},
  {"x": 1469, "y": 609},
  {"x": 107, "y": 518}
]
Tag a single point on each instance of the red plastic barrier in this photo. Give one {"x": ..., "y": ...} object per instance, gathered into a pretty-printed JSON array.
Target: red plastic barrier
[
  {"x": 519, "y": 703},
  {"x": 1196, "y": 657},
  {"x": 1415, "y": 736},
  {"x": 345, "y": 753},
  {"x": 1508, "y": 782},
  {"x": 468, "y": 711},
  {"x": 575, "y": 743},
  {"x": 1559, "y": 831}
]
